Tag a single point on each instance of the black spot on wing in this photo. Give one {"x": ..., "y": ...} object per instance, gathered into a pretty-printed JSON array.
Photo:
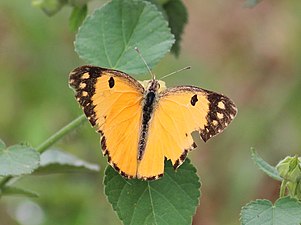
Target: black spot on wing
[
  {"x": 111, "y": 82},
  {"x": 194, "y": 100},
  {"x": 221, "y": 112}
]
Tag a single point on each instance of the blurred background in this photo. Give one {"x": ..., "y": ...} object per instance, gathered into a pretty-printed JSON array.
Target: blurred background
[{"x": 251, "y": 55}]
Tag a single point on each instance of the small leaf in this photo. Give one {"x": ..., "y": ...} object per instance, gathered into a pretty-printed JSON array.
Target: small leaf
[
  {"x": 55, "y": 161},
  {"x": 77, "y": 16},
  {"x": 177, "y": 19},
  {"x": 17, "y": 160},
  {"x": 264, "y": 166},
  {"x": 50, "y": 7},
  {"x": 9, "y": 190},
  {"x": 107, "y": 38},
  {"x": 251, "y": 3},
  {"x": 285, "y": 211},
  {"x": 2, "y": 145},
  {"x": 169, "y": 200}
]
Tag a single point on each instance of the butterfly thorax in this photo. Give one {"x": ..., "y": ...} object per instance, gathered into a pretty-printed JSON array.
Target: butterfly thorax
[{"x": 147, "y": 83}]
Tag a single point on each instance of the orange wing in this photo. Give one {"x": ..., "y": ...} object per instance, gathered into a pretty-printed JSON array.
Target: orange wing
[
  {"x": 112, "y": 102},
  {"x": 179, "y": 112}
]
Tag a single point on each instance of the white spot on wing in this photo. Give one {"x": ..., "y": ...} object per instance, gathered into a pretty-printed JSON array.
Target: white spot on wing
[
  {"x": 85, "y": 76},
  {"x": 82, "y": 85},
  {"x": 221, "y": 105},
  {"x": 214, "y": 122},
  {"x": 220, "y": 115}
]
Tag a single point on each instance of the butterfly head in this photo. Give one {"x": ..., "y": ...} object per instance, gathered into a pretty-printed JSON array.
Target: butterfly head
[{"x": 154, "y": 85}]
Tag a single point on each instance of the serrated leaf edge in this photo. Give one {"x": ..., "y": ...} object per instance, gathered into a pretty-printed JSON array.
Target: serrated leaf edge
[
  {"x": 276, "y": 203},
  {"x": 252, "y": 202}
]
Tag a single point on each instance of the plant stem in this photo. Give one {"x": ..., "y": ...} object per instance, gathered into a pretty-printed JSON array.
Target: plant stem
[
  {"x": 51, "y": 140},
  {"x": 282, "y": 188},
  {"x": 61, "y": 133}
]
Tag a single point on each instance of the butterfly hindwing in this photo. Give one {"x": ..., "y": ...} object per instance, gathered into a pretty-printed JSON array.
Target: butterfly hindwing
[
  {"x": 112, "y": 102},
  {"x": 180, "y": 111}
]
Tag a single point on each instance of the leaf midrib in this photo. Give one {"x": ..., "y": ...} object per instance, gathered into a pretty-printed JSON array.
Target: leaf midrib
[{"x": 126, "y": 43}]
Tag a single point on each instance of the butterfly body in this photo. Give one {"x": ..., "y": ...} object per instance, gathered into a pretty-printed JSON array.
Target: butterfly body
[
  {"x": 149, "y": 102},
  {"x": 142, "y": 123}
]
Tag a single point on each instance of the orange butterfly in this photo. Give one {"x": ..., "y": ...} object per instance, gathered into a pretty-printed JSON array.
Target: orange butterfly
[{"x": 143, "y": 123}]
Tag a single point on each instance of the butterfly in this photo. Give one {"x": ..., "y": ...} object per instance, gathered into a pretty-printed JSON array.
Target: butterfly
[{"x": 143, "y": 123}]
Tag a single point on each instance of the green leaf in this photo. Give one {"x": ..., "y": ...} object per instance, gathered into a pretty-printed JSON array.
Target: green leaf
[
  {"x": 77, "y": 16},
  {"x": 50, "y": 7},
  {"x": 177, "y": 19},
  {"x": 285, "y": 211},
  {"x": 55, "y": 161},
  {"x": 251, "y": 3},
  {"x": 264, "y": 166},
  {"x": 169, "y": 200},
  {"x": 107, "y": 38},
  {"x": 17, "y": 160},
  {"x": 2, "y": 145},
  {"x": 9, "y": 190}
]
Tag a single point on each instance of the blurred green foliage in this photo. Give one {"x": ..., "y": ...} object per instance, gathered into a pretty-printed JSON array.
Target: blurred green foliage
[{"x": 251, "y": 55}]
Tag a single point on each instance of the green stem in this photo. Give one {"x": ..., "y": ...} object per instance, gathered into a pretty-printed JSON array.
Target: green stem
[
  {"x": 61, "y": 133},
  {"x": 51, "y": 140},
  {"x": 282, "y": 188}
]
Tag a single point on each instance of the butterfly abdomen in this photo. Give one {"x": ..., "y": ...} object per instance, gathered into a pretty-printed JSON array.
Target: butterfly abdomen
[{"x": 147, "y": 112}]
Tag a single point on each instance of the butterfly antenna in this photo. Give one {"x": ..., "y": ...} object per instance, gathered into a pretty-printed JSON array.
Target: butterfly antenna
[
  {"x": 149, "y": 70},
  {"x": 177, "y": 71}
]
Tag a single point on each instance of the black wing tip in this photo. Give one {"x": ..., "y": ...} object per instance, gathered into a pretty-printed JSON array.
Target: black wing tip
[
  {"x": 222, "y": 111},
  {"x": 77, "y": 73},
  {"x": 83, "y": 79}
]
